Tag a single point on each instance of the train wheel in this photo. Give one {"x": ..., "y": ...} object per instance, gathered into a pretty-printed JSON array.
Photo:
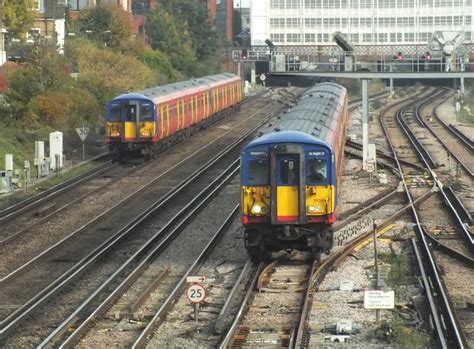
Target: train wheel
[
  {"x": 258, "y": 253},
  {"x": 255, "y": 245},
  {"x": 316, "y": 254}
]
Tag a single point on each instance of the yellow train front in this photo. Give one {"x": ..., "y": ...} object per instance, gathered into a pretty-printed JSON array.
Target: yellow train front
[{"x": 290, "y": 177}]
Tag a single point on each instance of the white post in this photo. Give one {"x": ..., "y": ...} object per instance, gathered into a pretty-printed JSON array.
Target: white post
[
  {"x": 56, "y": 148},
  {"x": 365, "y": 121},
  {"x": 3, "y": 51},
  {"x": 253, "y": 79}
]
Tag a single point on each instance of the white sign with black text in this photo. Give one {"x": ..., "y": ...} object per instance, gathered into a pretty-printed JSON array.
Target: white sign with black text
[{"x": 377, "y": 299}]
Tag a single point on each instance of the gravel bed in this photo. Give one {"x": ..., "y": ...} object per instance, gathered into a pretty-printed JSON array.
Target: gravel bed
[
  {"x": 332, "y": 305},
  {"x": 178, "y": 257},
  {"x": 58, "y": 308}
]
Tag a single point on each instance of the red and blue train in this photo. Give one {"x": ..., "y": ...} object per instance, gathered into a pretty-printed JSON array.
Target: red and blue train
[
  {"x": 141, "y": 123},
  {"x": 291, "y": 176}
]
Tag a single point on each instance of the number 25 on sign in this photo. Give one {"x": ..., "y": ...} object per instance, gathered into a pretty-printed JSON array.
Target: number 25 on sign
[{"x": 196, "y": 293}]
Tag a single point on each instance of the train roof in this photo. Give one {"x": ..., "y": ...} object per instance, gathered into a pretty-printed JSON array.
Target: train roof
[
  {"x": 179, "y": 88},
  {"x": 286, "y": 137},
  {"x": 314, "y": 112}
]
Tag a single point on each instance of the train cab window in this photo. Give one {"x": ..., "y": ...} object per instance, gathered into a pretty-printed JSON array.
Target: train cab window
[
  {"x": 130, "y": 112},
  {"x": 317, "y": 170},
  {"x": 288, "y": 172},
  {"x": 258, "y": 168},
  {"x": 115, "y": 112},
  {"x": 146, "y": 112}
]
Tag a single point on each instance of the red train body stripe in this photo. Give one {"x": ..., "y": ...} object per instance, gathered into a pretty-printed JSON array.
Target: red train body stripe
[{"x": 287, "y": 218}]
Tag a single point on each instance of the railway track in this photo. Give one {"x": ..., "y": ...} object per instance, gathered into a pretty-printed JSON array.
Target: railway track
[
  {"x": 454, "y": 142},
  {"x": 33, "y": 202},
  {"x": 271, "y": 310},
  {"x": 77, "y": 265},
  {"x": 448, "y": 333},
  {"x": 143, "y": 263}
]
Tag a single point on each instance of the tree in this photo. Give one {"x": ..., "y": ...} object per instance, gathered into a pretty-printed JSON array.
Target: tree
[
  {"x": 52, "y": 108},
  {"x": 107, "y": 73},
  {"x": 18, "y": 17},
  {"x": 166, "y": 36},
  {"x": 196, "y": 16},
  {"x": 106, "y": 24}
]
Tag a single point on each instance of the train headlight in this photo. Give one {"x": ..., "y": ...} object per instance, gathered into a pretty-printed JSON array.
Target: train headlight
[
  {"x": 145, "y": 133},
  {"x": 256, "y": 209},
  {"x": 314, "y": 209},
  {"x": 115, "y": 134}
]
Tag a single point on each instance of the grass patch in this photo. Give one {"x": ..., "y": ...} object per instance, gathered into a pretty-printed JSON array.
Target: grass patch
[
  {"x": 408, "y": 337},
  {"x": 397, "y": 275},
  {"x": 20, "y": 143}
]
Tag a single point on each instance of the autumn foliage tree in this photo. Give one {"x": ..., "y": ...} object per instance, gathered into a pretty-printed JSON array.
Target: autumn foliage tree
[
  {"x": 17, "y": 16},
  {"x": 107, "y": 24}
]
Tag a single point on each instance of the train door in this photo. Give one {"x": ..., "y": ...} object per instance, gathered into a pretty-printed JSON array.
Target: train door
[
  {"x": 131, "y": 121},
  {"x": 287, "y": 181}
]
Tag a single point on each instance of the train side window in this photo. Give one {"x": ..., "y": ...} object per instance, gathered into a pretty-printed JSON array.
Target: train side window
[
  {"x": 115, "y": 112},
  {"x": 317, "y": 170},
  {"x": 258, "y": 171},
  {"x": 288, "y": 172},
  {"x": 146, "y": 112}
]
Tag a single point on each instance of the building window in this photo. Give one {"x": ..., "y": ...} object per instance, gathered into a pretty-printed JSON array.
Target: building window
[
  {"x": 383, "y": 37},
  {"x": 310, "y": 22},
  {"x": 277, "y": 22},
  {"x": 277, "y": 4},
  {"x": 409, "y": 37},
  {"x": 310, "y": 37},
  {"x": 426, "y": 21},
  {"x": 354, "y": 38},
  {"x": 387, "y": 3},
  {"x": 293, "y": 37},
  {"x": 366, "y": 22},
  {"x": 367, "y": 37},
  {"x": 292, "y": 4},
  {"x": 292, "y": 22},
  {"x": 406, "y": 21},
  {"x": 280, "y": 38},
  {"x": 310, "y": 4}
]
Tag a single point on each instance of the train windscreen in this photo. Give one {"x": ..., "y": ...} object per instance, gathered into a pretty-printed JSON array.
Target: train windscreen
[
  {"x": 258, "y": 169},
  {"x": 115, "y": 112}
]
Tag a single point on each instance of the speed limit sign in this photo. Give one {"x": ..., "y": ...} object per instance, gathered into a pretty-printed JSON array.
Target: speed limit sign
[
  {"x": 196, "y": 293},
  {"x": 370, "y": 166}
]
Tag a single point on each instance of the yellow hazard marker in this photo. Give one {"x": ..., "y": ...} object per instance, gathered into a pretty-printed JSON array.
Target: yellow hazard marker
[
  {"x": 320, "y": 306},
  {"x": 368, "y": 241}
]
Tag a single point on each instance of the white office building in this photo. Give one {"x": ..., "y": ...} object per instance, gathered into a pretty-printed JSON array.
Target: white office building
[{"x": 365, "y": 22}]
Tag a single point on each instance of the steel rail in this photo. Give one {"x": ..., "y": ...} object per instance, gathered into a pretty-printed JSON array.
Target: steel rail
[
  {"x": 424, "y": 154},
  {"x": 225, "y": 341},
  {"x": 9, "y": 323},
  {"x": 302, "y": 338},
  {"x": 242, "y": 280},
  {"x": 431, "y": 264},
  {"x": 171, "y": 230},
  {"x": 13, "y": 211},
  {"x": 448, "y": 148},
  {"x": 177, "y": 292}
]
